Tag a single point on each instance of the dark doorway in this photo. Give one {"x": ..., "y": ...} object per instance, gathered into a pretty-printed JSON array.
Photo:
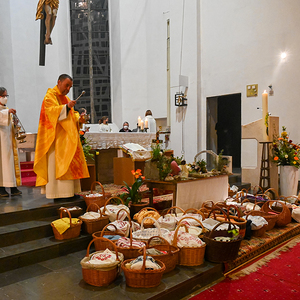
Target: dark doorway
[{"x": 224, "y": 126}]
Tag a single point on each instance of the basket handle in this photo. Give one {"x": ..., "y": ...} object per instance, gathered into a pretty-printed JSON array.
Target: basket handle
[
  {"x": 275, "y": 192},
  {"x": 259, "y": 188},
  {"x": 229, "y": 227},
  {"x": 204, "y": 204},
  {"x": 179, "y": 223},
  {"x": 69, "y": 215},
  {"x": 148, "y": 208},
  {"x": 174, "y": 207},
  {"x": 197, "y": 211},
  {"x": 128, "y": 215},
  {"x": 105, "y": 240},
  {"x": 94, "y": 185},
  {"x": 109, "y": 224},
  {"x": 174, "y": 242},
  {"x": 217, "y": 209},
  {"x": 155, "y": 223},
  {"x": 108, "y": 200},
  {"x": 165, "y": 242},
  {"x": 95, "y": 204}
]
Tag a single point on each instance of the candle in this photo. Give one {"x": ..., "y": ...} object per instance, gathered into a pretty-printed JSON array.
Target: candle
[
  {"x": 264, "y": 105},
  {"x": 142, "y": 124},
  {"x": 146, "y": 122},
  {"x": 139, "y": 121}
]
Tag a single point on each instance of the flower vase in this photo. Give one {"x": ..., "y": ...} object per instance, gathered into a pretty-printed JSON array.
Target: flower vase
[{"x": 288, "y": 180}]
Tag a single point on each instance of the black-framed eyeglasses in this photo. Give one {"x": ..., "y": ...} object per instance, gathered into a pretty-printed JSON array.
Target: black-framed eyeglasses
[{"x": 4, "y": 96}]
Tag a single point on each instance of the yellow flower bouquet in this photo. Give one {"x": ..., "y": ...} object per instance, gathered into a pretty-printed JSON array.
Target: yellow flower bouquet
[{"x": 285, "y": 152}]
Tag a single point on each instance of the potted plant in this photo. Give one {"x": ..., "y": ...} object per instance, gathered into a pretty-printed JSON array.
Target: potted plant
[
  {"x": 86, "y": 183},
  {"x": 132, "y": 196},
  {"x": 285, "y": 154}
]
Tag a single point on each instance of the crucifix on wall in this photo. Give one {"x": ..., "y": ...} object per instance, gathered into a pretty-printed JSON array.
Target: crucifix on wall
[{"x": 48, "y": 8}]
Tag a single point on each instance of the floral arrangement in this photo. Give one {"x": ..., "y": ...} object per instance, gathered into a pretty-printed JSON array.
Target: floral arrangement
[
  {"x": 285, "y": 152},
  {"x": 85, "y": 145},
  {"x": 132, "y": 194}
]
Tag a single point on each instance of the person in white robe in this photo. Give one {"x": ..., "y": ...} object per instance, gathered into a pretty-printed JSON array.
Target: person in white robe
[
  {"x": 10, "y": 168},
  {"x": 150, "y": 121}
]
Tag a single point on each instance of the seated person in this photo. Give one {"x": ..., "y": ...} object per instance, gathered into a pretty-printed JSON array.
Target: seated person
[
  {"x": 104, "y": 126},
  {"x": 125, "y": 127}
]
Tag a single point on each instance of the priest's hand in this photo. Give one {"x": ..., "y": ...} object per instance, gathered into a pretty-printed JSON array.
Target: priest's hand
[
  {"x": 12, "y": 111},
  {"x": 71, "y": 103}
]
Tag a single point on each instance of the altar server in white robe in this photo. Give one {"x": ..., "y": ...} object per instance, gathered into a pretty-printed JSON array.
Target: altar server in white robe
[
  {"x": 10, "y": 169},
  {"x": 149, "y": 121}
]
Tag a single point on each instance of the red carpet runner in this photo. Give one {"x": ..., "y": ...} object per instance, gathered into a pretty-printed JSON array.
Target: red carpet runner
[{"x": 276, "y": 276}]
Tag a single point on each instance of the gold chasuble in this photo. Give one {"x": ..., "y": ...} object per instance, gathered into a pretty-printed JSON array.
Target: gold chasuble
[{"x": 69, "y": 158}]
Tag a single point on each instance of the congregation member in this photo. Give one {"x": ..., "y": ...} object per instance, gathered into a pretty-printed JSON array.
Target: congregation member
[
  {"x": 103, "y": 125},
  {"x": 59, "y": 159},
  {"x": 125, "y": 127},
  {"x": 10, "y": 175}
]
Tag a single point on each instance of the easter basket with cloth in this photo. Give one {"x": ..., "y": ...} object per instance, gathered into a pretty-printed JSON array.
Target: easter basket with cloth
[
  {"x": 101, "y": 267},
  {"x": 95, "y": 197},
  {"x": 111, "y": 210},
  {"x": 222, "y": 245},
  {"x": 169, "y": 253},
  {"x": 144, "y": 234},
  {"x": 93, "y": 221},
  {"x": 66, "y": 228},
  {"x": 192, "y": 248},
  {"x": 147, "y": 276}
]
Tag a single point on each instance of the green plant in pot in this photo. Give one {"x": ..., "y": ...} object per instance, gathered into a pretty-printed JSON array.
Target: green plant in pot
[{"x": 132, "y": 195}]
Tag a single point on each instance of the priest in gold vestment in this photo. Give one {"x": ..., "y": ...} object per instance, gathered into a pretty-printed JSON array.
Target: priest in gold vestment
[{"x": 59, "y": 159}]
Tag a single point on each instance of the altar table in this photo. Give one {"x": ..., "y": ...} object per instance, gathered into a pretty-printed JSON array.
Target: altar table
[{"x": 191, "y": 193}]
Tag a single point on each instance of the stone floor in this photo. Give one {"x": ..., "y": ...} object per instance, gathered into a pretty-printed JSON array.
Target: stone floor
[{"x": 61, "y": 278}]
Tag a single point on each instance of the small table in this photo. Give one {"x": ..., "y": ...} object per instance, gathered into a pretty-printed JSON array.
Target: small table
[{"x": 191, "y": 193}]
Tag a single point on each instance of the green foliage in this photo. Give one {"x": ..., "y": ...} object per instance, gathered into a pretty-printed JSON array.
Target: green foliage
[{"x": 86, "y": 147}]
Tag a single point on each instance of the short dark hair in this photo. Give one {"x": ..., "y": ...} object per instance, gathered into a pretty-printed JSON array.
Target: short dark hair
[
  {"x": 2, "y": 90},
  {"x": 81, "y": 110},
  {"x": 148, "y": 113},
  {"x": 62, "y": 77},
  {"x": 125, "y": 123}
]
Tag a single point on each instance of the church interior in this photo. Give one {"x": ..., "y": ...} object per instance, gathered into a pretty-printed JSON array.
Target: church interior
[{"x": 220, "y": 79}]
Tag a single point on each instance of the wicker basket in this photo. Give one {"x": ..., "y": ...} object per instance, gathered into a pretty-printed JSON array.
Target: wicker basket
[
  {"x": 102, "y": 245},
  {"x": 113, "y": 213},
  {"x": 219, "y": 251},
  {"x": 259, "y": 232},
  {"x": 75, "y": 211},
  {"x": 284, "y": 217},
  {"x": 72, "y": 232},
  {"x": 92, "y": 225},
  {"x": 144, "y": 234},
  {"x": 143, "y": 278},
  {"x": 100, "y": 200},
  {"x": 271, "y": 218},
  {"x": 147, "y": 212},
  {"x": 131, "y": 252},
  {"x": 171, "y": 258},
  {"x": 189, "y": 256},
  {"x": 236, "y": 220},
  {"x": 98, "y": 275}
]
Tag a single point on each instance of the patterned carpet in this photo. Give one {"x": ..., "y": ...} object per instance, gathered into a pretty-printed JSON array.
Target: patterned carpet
[
  {"x": 258, "y": 245},
  {"x": 275, "y": 276}
]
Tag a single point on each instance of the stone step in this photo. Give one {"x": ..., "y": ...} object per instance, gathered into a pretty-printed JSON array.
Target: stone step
[
  {"x": 26, "y": 231},
  {"x": 24, "y": 215},
  {"x": 31, "y": 252}
]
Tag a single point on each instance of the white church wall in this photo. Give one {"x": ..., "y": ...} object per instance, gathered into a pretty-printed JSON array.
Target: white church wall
[
  {"x": 138, "y": 59},
  {"x": 26, "y": 80},
  {"x": 139, "y": 74},
  {"x": 241, "y": 44}
]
